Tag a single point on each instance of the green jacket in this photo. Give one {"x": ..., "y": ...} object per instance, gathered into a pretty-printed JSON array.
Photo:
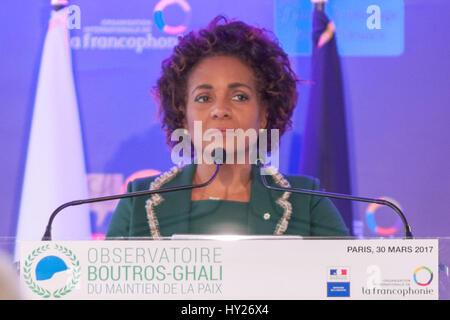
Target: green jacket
[{"x": 311, "y": 215}]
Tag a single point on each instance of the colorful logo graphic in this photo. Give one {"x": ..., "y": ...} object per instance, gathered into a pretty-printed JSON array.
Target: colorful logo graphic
[
  {"x": 374, "y": 227},
  {"x": 423, "y": 276},
  {"x": 48, "y": 266},
  {"x": 335, "y": 272},
  {"x": 338, "y": 274},
  {"x": 338, "y": 282},
  {"x": 47, "y": 273},
  {"x": 159, "y": 20}
]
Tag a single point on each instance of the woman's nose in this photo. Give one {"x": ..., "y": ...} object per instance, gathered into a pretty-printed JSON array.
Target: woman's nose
[{"x": 221, "y": 110}]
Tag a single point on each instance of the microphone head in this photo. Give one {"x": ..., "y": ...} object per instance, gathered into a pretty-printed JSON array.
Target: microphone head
[
  {"x": 219, "y": 155},
  {"x": 259, "y": 163}
]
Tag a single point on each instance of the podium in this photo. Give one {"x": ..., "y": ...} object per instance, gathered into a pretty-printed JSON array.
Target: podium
[{"x": 236, "y": 268}]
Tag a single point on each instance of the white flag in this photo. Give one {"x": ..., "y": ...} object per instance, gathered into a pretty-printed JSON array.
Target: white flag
[{"x": 55, "y": 169}]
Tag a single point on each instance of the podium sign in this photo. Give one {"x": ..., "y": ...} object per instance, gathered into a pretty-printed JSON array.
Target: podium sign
[{"x": 242, "y": 269}]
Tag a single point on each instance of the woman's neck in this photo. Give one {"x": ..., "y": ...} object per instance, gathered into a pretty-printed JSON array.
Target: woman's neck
[{"x": 233, "y": 182}]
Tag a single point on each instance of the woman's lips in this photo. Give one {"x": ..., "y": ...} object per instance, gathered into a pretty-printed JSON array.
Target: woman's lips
[{"x": 224, "y": 130}]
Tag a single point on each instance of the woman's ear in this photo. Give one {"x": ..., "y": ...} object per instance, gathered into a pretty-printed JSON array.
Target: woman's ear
[{"x": 264, "y": 116}]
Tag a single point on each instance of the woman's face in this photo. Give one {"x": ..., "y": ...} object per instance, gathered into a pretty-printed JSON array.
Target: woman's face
[{"x": 222, "y": 94}]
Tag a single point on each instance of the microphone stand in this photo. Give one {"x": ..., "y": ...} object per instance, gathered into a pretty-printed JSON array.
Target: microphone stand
[
  {"x": 407, "y": 227},
  {"x": 48, "y": 231}
]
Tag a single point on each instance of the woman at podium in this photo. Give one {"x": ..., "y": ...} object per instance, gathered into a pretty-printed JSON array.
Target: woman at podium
[{"x": 229, "y": 77}]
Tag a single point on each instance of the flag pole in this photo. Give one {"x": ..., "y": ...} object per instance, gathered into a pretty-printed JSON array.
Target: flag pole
[
  {"x": 59, "y": 4},
  {"x": 319, "y": 4}
]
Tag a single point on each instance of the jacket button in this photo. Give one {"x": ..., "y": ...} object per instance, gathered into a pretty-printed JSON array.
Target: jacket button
[{"x": 266, "y": 216}]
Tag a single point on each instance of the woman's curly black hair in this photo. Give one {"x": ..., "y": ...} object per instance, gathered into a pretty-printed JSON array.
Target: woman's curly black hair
[{"x": 257, "y": 48}]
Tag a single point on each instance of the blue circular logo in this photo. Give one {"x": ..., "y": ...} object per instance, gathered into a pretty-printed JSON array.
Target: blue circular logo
[{"x": 48, "y": 266}]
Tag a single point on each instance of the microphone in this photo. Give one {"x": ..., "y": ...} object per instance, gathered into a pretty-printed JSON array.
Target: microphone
[
  {"x": 218, "y": 155},
  {"x": 408, "y": 232}
]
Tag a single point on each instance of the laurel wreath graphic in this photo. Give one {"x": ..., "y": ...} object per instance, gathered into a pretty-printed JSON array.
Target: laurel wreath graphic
[{"x": 76, "y": 272}]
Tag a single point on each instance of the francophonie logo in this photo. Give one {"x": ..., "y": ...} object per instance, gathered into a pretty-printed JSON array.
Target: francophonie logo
[
  {"x": 160, "y": 22},
  {"x": 51, "y": 271},
  {"x": 423, "y": 276}
]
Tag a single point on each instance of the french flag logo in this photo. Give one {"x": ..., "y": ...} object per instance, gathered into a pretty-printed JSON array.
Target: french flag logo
[{"x": 338, "y": 272}]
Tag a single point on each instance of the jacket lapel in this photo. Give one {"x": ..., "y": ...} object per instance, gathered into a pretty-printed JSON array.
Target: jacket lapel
[
  {"x": 173, "y": 212},
  {"x": 265, "y": 213}
]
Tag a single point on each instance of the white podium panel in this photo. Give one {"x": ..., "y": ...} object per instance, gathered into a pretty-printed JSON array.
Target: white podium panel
[{"x": 266, "y": 269}]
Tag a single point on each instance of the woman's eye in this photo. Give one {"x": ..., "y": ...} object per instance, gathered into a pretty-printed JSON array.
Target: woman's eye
[
  {"x": 240, "y": 97},
  {"x": 202, "y": 99}
]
